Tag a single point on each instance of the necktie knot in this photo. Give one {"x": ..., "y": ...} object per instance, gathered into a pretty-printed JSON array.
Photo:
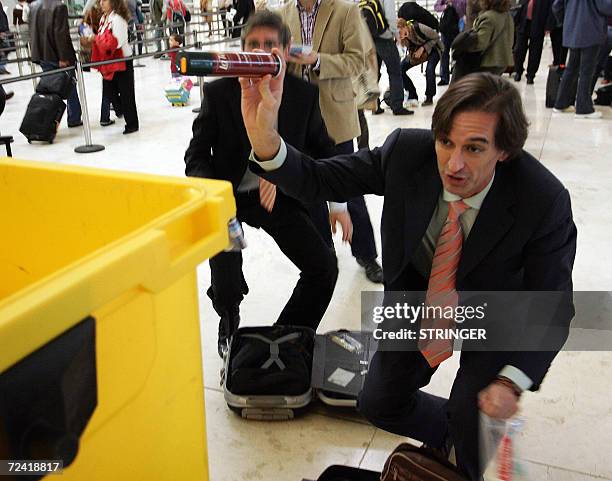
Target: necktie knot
[{"x": 456, "y": 208}]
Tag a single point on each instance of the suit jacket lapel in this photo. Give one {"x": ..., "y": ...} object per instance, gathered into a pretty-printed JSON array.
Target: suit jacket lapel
[
  {"x": 236, "y": 113},
  {"x": 324, "y": 14},
  {"x": 494, "y": 220},
  {"x": 420, "y": 205}
]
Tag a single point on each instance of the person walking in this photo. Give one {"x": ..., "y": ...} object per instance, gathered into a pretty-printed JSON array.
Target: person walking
[{"x": 585, "y": 31}]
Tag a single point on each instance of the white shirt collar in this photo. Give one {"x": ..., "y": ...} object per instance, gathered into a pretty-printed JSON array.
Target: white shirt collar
[{"x": 475, "y": 202}]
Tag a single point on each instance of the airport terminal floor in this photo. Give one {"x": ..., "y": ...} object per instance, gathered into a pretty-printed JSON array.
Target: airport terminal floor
[{"x": 568, "y": 433}]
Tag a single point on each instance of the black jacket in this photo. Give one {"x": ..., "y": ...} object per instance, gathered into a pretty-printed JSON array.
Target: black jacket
[
  {"x": 220, "y": 146},
  {"x": 413, "y": 11},
  {"x": 524, "y": 238},
  {"x": 540, "y": 20}
]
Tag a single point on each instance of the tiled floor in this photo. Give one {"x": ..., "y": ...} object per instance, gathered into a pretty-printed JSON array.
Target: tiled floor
[{"x": 569, "y": 423}]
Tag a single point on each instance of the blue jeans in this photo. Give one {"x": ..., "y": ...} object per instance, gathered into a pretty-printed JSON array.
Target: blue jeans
[
  {"x": 74, "y": 105},
  {"x": 445, "y": 60},
  {"x": 387, "y": 52},
  {"x": 581, "y": 64},
  {"x": 430, "y": 74}
]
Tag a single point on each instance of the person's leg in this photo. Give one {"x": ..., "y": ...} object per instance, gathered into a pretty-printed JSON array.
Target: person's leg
[
  {"x": 445, "y": 61},
  {"x": 387, "y": 52},
  {"x": 227, "y": 289},
  {"x": 407, "y": 82},
  {"x": 564, "y": 95},
  {"x": 584, "y": 92},
  {"x": 363, "y": 141},
  {"x": 520, "y": 52},
  {"x": 73, "y": 103},
  {"x": 319, "y": 214},
  {"x": 430, "y": 74},
  {"x": 556, "y": 39},
  {"x": 391, "y": 398},
  {"x": 536, "y": 44},
  {"x": 125, "y": 83},
  {"x": 107, "y": 95},
  {"x": 293, "y": 231}
]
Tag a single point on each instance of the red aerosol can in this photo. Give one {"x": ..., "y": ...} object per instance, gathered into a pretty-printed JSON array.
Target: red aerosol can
[{"x": 229, "y": 64}]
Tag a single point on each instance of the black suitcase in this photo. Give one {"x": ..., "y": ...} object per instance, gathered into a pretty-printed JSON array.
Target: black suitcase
[
  {"x": 604, "y": 95},
  {"x": 42, "y": 117},
  {"x": 555, "y": 73},
  {"x": 346, "y": 473},
  {"x": 60, "y": 84}
]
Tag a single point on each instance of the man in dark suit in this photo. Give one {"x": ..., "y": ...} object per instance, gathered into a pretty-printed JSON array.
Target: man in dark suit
[
  {"x": 466, "y": 209},
  {"x": 52, "y": 47},
  {"x": 531, "y": 19},
  {"x": 220, "y": 150}
]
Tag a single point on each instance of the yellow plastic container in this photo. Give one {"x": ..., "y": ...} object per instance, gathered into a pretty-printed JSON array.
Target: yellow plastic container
[{"x": 122, "y": 248}]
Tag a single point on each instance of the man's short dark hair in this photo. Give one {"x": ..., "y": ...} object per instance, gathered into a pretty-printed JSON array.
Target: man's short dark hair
[
  {"x": 266, "y": 18},
  {"x": 484, "y": 92},
  {"x": 177, "y": 37}
]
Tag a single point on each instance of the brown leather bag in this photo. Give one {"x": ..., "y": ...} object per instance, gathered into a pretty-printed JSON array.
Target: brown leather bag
[{"x": 409, "y": 463}]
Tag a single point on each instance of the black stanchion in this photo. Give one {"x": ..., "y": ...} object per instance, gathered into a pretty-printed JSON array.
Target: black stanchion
[{"x": 201, "y": 84}]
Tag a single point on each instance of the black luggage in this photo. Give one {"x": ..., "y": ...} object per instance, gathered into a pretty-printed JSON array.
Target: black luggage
[
  {"x": 604, "y": 95},
  {"x": 347, "y": 473},
  {"x": 272, "y": 372},
  {"x": 60, "y": 83},
  {"x": 42, "y": 117},
  {"x": 555, "y": 73}
]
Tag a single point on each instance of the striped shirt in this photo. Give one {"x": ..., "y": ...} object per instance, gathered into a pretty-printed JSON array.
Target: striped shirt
[{"x": 307, "y": 22}]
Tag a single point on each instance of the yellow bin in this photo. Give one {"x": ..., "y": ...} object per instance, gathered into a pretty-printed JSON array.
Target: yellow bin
[{"x": 123, "y": 249}]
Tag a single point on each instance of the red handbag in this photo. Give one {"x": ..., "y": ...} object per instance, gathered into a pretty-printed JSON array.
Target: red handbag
[{"x": 105, "y": 48}]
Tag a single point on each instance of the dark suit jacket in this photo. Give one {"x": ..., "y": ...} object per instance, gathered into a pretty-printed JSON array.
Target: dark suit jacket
[
  {"x": 524, "y": 238},
  {"x": 220, "y": 147},
  {"x": 50, "y": 32},
  {"x": 541, "y": 13}
]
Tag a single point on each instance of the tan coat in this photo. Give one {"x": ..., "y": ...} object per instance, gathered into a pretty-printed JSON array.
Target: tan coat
[{"x": 339, "y": 39}]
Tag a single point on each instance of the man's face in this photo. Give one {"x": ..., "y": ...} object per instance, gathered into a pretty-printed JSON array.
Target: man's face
[
  {"x": 467, "y": 156},
  {"x": 264, "y": 38}
]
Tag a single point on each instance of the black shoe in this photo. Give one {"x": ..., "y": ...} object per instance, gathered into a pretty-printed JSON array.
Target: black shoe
[
  {"x": 228, "y": 324},
  {"x": 403, "y": 111},
  {"x": 4, "y": 71},
  {"x": 442, "y": 83},
  {"x": 76, "y": 124},
  {"x": 157, "y": 55},
  {"x": 127, "y": 131},
  {"x": 427, "y": 102},
  {"x": 378, "y": 111},
  {"x": 517, "y": 77},
  {"x": 373, "y": 270},
  {"x": 107, "y": 123},
  {"x": 9, "y": 95},
  {"x": 530, "y": 81}
]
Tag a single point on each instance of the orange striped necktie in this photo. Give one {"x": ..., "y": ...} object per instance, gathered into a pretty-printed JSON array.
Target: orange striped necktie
[
  {"x": 441, "y": 288},
  {"x": 267, "y": 194}
]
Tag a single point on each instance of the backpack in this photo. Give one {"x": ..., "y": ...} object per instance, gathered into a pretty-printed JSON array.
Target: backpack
[
  {"x": 449, "y": 23},
  {"x": 374, "y": 16}
]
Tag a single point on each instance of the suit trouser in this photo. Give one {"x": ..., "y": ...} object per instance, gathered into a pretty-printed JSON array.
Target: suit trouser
[
  {"x": 363, "y": 245},
  {"x": 392, "y": 400},
  {"x": 581, "y": 64},
  {"x": 559, "y": 51},
  {"x": 291, "y": 228},
  {"x": 120, "y": 90},
  {"x": 524, "y": 42}
]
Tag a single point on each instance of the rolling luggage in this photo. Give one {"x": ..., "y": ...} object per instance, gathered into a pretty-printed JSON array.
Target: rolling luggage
[
  {"x": 273, "y": 372},
  {"x": 552, "y": 85},
  {"x": 42, "y": 117}
]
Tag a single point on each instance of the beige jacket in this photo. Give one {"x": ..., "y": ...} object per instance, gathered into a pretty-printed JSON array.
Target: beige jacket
[{"x": 340, "y": 41}]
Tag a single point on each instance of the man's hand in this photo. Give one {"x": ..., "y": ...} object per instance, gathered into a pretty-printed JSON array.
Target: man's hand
[
  {"x": 498, "y": 401},
  {"x": 261, "y": 99},
  {"x": 344, "y": 218},
  {"x": 308, "y": 59}
]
